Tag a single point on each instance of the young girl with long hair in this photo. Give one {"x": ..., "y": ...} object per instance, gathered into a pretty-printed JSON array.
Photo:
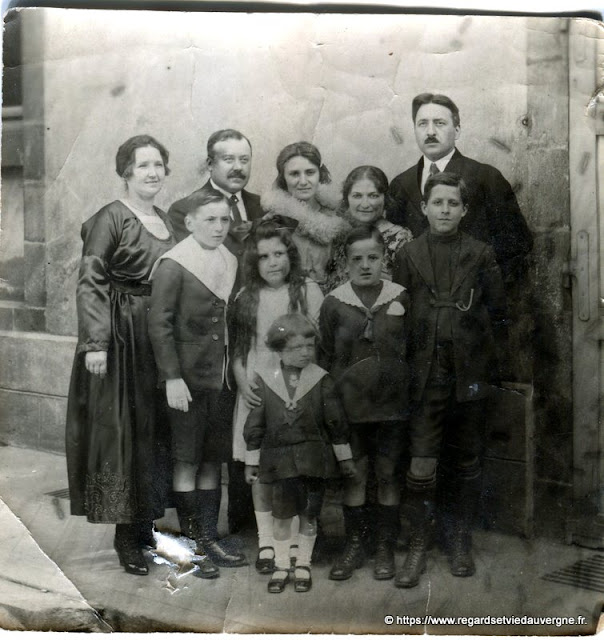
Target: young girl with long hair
[{"x": 274, "y": 285}]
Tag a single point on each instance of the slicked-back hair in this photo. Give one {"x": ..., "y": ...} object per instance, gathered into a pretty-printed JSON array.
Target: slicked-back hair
[
  {"x": 205, "y": 197},
  {"x": 435, "y": 98},
  {"x": 221, "y": 136}
]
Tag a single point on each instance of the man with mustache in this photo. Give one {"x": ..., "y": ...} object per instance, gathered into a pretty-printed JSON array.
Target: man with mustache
[
  {"x": 493, "y": 212},
  {"x": 229, "y": 162}
]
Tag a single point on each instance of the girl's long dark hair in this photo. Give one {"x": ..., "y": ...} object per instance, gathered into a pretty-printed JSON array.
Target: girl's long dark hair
[{"x": 246, "y": 305}]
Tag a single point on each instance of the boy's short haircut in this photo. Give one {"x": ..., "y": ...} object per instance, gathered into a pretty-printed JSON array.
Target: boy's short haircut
[
  {"x": 364, "y": 232},
  {"x": 286, "y": 327},
  {"x": 205, "y": 197},
  {"x": 449, "y": 179}
]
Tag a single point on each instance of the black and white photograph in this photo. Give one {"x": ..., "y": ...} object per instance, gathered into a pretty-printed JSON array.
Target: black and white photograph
[{"x": 301, "y": 322}]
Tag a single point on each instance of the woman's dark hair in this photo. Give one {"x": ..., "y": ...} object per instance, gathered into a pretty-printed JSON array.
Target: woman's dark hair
[
  {"x": 363, "y": 232},
  {"x": 304, "y": 150},
  {"x": 376, "y": 175},
  {"x": 286, "y": 327},
  {"x": 124, "y": 160},
  {"x": 435, "y": 98},
  {"x": 246, "y": 304},
  {"x": 448, "y": 179}
]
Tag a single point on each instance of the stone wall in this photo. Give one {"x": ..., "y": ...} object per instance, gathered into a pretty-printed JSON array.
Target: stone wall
[{"x": 342, "y": 82}]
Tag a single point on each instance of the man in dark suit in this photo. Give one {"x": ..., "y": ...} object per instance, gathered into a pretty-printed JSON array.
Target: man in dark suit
[
  {"x": 493, "y": 212},
  {"x": 229, "y": 162}
]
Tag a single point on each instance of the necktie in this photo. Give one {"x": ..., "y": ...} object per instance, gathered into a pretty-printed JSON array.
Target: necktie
[
  {"x": 434, "y": 169},
  {"x": 235, "y": 213}
]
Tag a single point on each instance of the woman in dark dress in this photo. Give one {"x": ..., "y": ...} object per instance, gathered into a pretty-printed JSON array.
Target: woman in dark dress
[{"x": 115, "y": 437}]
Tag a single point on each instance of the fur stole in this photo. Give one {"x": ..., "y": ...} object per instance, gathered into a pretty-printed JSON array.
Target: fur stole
[{"x": 322, "y": 227}]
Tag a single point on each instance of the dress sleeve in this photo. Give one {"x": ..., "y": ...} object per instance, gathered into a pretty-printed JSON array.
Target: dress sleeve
[
  {"x": 101, "y": 236},
  {"x": 255, "y": 426}
]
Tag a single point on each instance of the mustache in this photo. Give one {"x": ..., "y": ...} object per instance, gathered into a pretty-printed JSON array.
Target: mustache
[
  {"x": 236, "y": 174},
  {"x": 431, "y": 139}
]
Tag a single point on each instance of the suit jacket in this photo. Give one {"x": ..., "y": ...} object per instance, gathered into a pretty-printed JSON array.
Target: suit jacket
[
  {"x": 478, "y": 318},
  {"x": 234, "y": 243},
  {"x": 187, "y": 328},
  {"x": 493, "y": 212}
]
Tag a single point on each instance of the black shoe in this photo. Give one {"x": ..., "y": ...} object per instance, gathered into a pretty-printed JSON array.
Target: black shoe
[
  {"x": 384, "y": 560},
  {"x": 205, "y": 568},
  {"x": 265, "y": 565},
  {"x": 413, "y": 567},
  {"x": 131, "y": 558},
  {"x": 461, "y": 562},
  {"x": 145, "y": 535},
  {"x": 221, "y": 557},
  {"x": 302, "y": 584},
  {"x": 278, "y": 581},
  {"x": 353, "y": 557}
]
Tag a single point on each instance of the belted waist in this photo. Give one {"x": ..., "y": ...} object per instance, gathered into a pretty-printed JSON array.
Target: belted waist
[
  {"x": 132, "y": 287},
  {"x": 442, "y": 304},
  {"x": 460, "y": 305}
]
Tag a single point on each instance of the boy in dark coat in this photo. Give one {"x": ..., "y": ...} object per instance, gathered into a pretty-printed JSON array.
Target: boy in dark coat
[
  {"x": 457, "y": 324},
  {"x": 363, "y": 342},
  {"x": 294, "y": 439},
  {"x": 192, "y": 284}
]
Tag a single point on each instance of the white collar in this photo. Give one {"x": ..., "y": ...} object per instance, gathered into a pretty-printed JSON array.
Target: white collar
[
  {"x": 227, "y": 194},
  {"x": 345, "y": 293},
  {"x": 309, "y": 376},
  {"x": 441, "y": 163},
  {"x": 192, "y": 257}
]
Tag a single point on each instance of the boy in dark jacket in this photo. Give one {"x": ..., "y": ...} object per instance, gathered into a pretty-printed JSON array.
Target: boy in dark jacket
[
  {"x": 457, "y": 324},
  {"x": 192, "y": 284},
  {"x": 294, "y": 439},
  {"x": 363, "y": 341}
]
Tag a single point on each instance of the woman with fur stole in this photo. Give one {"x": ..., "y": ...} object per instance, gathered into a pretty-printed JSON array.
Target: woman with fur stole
[{"x": 301, "y": 201}]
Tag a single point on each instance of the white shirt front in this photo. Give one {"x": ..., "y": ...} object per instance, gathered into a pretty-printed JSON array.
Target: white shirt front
[
  {"x": 441, "y": 164},
  {"x": 240, "y": 203}
]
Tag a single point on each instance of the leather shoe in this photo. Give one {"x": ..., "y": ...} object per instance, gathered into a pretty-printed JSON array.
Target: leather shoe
[
  {"x": 278, "y": 581},
  {"x": 384, "y": 561},
  {"x": 265, "y": 565},
  {"x": 132, "y": 559},
  {"x": 414, "y": 566},
  {"x": 302, "y": 584},
  {"x": 205, "y": 568},
  {"x": 219, "y": 556},
  {"x": 461, "y": 563},
  {"x": 353, "y": 557}
]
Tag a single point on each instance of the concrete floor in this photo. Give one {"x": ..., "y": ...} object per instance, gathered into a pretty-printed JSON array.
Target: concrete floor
[{"x": 74, "y": 562}]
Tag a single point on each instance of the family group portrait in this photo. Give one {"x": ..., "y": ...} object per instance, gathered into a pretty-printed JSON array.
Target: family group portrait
[{"x": 300, "y": 323}]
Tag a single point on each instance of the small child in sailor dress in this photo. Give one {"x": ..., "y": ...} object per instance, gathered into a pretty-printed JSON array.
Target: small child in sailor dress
[{"x": 294, "y": 438}]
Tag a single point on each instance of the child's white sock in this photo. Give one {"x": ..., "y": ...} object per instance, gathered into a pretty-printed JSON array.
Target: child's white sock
[
  {"x": 264, "y": 521},
  {"x": 293, "y": 549},
  {"x": 282, "y": 554},
  {"x": 305, "y": 546}
]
